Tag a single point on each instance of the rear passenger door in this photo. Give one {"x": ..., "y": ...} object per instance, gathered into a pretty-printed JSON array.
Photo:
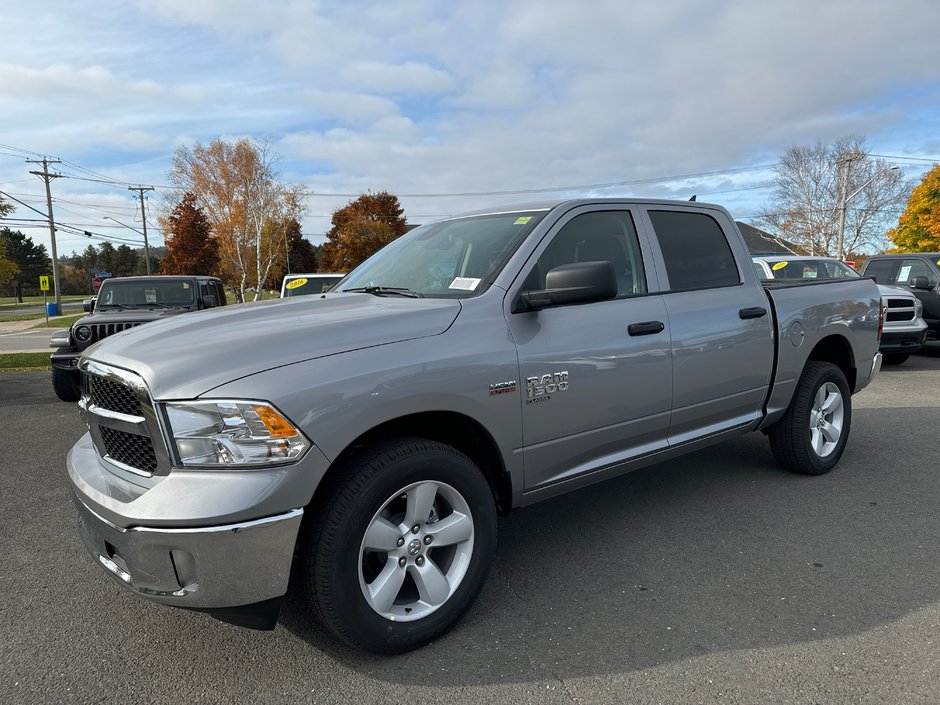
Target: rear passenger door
[{"x": 721, "y": 329}]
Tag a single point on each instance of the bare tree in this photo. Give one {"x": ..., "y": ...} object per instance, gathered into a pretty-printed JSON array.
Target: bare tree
[{"x": 812, "y": 184}]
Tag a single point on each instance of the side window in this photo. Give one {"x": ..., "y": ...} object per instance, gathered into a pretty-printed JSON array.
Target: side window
[
  {"x": 883, "y": 270},
  {"x": 911, "y": 268},
  {"x": 219, "y": 291},
  {"x": 696, "y": 252},
  {"x": 605, "y": 236}
]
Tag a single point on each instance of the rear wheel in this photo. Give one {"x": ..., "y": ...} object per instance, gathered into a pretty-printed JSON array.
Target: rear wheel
[
  {"x": 400, "y": 548},
  {"x": 895, "y": 358},
  {"x": 66, "y": 383},
  {"x": 811, "y": 436}
]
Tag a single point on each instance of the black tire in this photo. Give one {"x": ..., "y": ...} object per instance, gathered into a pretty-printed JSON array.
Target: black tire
[
  {"x": 895, "y": 358},
  {"x": 793, "y": 440},
  {"x": 66, "y": 383},
  {"x": 336, "y": 563}
]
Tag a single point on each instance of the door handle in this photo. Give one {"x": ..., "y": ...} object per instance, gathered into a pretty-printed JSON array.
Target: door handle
[
  {"x": 752, "y": 312},
  {"x": 646, "y": 328}
]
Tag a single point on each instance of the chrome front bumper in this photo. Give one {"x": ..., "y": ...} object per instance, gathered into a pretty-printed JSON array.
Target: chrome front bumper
[{"x": 205, "y": 568}]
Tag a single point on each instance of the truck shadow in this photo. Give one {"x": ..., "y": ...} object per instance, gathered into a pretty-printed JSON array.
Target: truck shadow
[{"x": 718, "y": 551}]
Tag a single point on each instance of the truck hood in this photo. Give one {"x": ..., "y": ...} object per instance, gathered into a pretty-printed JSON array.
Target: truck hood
[{"x": 185, "y": 356}]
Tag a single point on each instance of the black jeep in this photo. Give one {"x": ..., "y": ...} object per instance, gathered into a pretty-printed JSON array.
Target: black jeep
[{"x": 122, "y": 303}]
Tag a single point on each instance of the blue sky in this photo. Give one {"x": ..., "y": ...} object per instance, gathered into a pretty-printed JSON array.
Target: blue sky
[{"x": 421, "y": 97}]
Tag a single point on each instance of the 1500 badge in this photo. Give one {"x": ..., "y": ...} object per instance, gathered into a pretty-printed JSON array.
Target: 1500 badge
[{"x": 541, "y": 388}]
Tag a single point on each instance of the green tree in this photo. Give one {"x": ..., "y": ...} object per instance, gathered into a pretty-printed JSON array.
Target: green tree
[
  {"x": 918, "y": 228},
  {"x": 191, "y": 247},
  {"x": 8, "y": 268},
  {"x": 125, "y": 262},
  {"x": 31, "y": 260},
  {"x": 301, "y": 254},
  {"x": 360, "y": 229},
  {"x": 5, "y": 208}
]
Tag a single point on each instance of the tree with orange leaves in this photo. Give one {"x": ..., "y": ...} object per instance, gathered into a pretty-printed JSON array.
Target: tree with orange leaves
[
  {"x": 361, "y": 228},
  {"x": 918, "y": 228}
]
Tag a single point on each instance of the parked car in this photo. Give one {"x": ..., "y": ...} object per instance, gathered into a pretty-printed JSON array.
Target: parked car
[
  {"x": 916, "y": 272},
  {"x": 123, "y": 303},
  {"x": 904, "y": 326},
  {"x": 372, "y": 434},
  {"x": 304, "y": 284}
]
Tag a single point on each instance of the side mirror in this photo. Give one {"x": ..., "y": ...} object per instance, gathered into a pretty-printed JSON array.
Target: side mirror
[
  {"x": 209, "y": 301},
  {"x": 88, "y": 305},
  {"x": 921, "y": 283},
  {"x": 578, "y": 283}
]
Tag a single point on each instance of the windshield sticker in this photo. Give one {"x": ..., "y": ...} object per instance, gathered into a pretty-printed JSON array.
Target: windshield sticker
[
  {"x": 904, "y": 274},
  {"x": 938, "y": 261},
  {"x": 295, "y": 283},
  {"x": 779, "y": 265},
  {"x": 465, "y": 283},
  {"x": 809, "y": 273},
  {"x": 522, "y": 221},
  {"x": 151, "y": 295},
  {"x": 185, "y": 285}
]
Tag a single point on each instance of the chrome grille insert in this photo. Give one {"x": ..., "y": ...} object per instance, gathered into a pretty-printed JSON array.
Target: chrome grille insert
[
  {"x": 123, "y": 423},
  {"x": 129, "y": 449}
]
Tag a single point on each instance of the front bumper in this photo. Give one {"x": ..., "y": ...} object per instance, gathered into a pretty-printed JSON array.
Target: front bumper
[
  {"x": 205, "y": 568},
  {"x": 906, "y": 342},
  {"x": 193, "y": 539},
  {"x": 66, "y": 361}
]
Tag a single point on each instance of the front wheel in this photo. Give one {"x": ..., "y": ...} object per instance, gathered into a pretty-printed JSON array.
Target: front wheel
[
  {"x": 401, "y": 546},
  {"x": 811, "y": 436},
  {"x": 66, "y": 383}
]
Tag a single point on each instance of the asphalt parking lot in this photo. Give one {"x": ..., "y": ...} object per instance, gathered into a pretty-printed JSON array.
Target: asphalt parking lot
[{"x": 715, "y": 578}]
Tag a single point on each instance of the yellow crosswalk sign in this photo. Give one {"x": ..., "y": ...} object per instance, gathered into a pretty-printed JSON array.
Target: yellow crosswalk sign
[{"x": 44, "y": 283}]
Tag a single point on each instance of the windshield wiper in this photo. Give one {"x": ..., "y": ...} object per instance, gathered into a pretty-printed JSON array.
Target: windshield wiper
[{"x": 387, "y": 291}]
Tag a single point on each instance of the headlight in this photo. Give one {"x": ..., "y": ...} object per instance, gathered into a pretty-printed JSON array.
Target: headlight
[
  {"x": 233, "y": 432},
  {"x": 83, "y": 334},
  {"x": 918, "y": 308}
]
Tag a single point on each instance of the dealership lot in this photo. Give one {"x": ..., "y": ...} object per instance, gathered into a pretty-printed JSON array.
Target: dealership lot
[{"x": 715, "y": 578}]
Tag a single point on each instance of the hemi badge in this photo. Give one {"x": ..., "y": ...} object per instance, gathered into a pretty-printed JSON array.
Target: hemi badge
[{"x": 502, "y": 388}]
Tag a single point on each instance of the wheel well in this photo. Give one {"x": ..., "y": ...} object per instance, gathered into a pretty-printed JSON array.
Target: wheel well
[
  {"x": 836, "y": 349},
  {"x": 456, "y": 430}
]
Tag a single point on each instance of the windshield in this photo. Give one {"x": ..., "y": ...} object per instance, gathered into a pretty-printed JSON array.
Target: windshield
[
  {"x": 135, "y": 292},
  {"x": 303, "y": 284},
  {"x": 451, "y": 259},
  {"x": 811, "y": 269}
]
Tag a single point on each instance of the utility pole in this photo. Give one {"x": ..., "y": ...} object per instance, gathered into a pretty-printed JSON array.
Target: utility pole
[
  {"x": 843, "y": 200},
  {"x": 143, "y": 215},
  {"x": 47, "y": 177}
]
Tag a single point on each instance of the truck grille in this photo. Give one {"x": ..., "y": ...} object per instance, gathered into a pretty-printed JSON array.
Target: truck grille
[
  {"x": 129, "y": 449},
  {"x": 121, "y": 419},
  {"x": 115, "y": 397},
  {"x": 100, "y": 331},
  {"x": 900, "y": 310}
]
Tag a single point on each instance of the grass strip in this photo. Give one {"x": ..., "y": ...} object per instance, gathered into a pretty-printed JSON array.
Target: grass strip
[{"x": 19, "y": 362}]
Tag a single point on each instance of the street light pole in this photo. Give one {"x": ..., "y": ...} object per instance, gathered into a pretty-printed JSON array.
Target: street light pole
[{"x": 844, "y": 200}]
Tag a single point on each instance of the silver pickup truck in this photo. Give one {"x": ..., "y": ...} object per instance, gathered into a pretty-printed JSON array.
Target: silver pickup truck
[{"x": 370, "y": 436}]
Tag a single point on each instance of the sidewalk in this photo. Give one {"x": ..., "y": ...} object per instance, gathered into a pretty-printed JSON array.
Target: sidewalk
[{"x": 17, "y": 326}]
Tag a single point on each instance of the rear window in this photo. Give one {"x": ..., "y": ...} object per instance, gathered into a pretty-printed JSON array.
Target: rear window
[
  {"x": 301, "y": 286},
  {"x": 696, "y": 251}
]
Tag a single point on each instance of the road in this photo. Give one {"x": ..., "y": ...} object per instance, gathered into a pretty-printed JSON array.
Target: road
[
  {"x": 68, "y": 308},
  {"x": 29, "y": 340},
  {"x": 716, "y": 578}
]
